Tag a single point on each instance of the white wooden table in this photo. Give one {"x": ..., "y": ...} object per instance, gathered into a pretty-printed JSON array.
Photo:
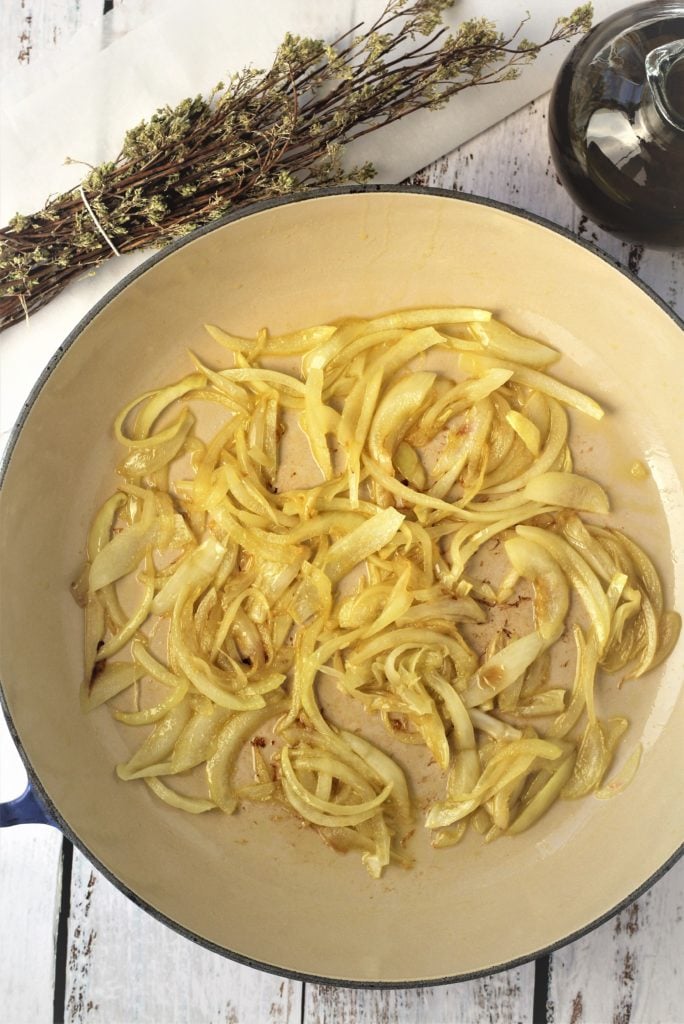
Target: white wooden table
[{"x": 72, "y": 948}]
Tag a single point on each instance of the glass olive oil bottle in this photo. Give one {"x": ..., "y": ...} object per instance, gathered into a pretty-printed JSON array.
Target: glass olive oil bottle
[{"x": 616, "y": 124}]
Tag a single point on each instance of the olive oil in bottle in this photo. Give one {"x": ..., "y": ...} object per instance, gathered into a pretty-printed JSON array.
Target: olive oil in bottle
[{"x": 616, "y": 124}]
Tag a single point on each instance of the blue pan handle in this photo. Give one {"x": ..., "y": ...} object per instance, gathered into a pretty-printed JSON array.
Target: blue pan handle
[{"x": 24, "y": 810}]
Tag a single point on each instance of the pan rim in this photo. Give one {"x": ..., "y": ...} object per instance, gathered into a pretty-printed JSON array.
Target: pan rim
[{"x": 34, "y": 780}]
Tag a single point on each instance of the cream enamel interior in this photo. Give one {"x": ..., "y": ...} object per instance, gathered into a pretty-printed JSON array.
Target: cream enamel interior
[{"x": 269, "y": 890}]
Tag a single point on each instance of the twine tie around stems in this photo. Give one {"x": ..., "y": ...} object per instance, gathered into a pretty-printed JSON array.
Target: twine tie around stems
[{"x": 96, "y": 222}]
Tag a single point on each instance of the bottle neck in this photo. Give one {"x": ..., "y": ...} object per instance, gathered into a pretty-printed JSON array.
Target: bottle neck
[{"x": 663, "y": 106}]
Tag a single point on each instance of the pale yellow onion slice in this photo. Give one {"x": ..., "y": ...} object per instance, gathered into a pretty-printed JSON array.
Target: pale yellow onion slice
[
  {"x": 645, "y": 568},
  {"x": 310, "y": 759},
  {"x": 453, "y": 609},
  {"x": 125, "y": 550},
  {"x": 590, "y": 548},
  {"x": 465, "y": 764},
  {"x": 345, "y": 334},
  {"x": 129, "y": 629},
  {"x": 359, "y": 408},
  {"x": 396, "y": 603},
  {"x": 502, "y": 805},
  {"x": 308, "y": 662},
  {"x": 502, "y": 439},
  {"x": 669, "y": 629},
  {"x": 543, "y": 704},
  {"x": 355, "y": 547},
  {"x": 113, "y": 679},
  {"x": 527, "y": 431},
  {"x": 355, "y": 422},
  {"x": 148, "y": 716},
  {"x": 569, "y": 491},
  {"x": 494, "y": 727},
  {"x": 197, "y": 742},
  {"x": 189, "y": 804},
  {"x": 197, "y": 489},
  {"x": 314, "y": 421},
  {"x": 456, "y": 400},
  {"x": 246, "y": 488},
  {"x": 152, "y": 756},
  {"x": 155, "y": 404},
  {"x": 325, "y": 812},
  {"x": 454, "y": 645},
  {"x": 376, "y": 861},
  {"x": 343, "y": 362},
  {"x": 500, "y": 340},
  {"x": 151, "y": 666},
  {"x": 412, "y": 319},
  {"x": 220, "y": 767},
  {"x": 95, "y": 626},
  {"x": 196, "y": 569},
  {"x": 497, "y": 775},
  {"x": 101, "y": 529},
  {"x": 623, "y": 777},
  {"x": 413, "y": 701},
  {"x": 295, "y": 343},
  {"x": 502, "y": 669},
  {"x": 551, "y": 593},
  {"x": 456, "y": 710},
  {"x": 363, "y": 607},
  {"x": 158, "y": 450},
  {"x": 591, "y": 763},
  {"x": 594, "y": 756},
  {"x": 540, "y": 803},
  {"x": 236, "y": 397},
  {"x": 394, "y": 415},
  {"x": 535, "y": 379},
  {"x": 582, "y": 578},
  {"x": 282, "y": 382},
  {"x": 257, "y": 542},
  {"x": 650, "y": 645},
  {"x": 510, "y": 763},
  {"x": 323, "y": 770},
  {"x": 512, "y": 477},
  {"x": 312, "y": 596},
  {"x": 583, "y": 681},
  {"x": 388, "y": 770},
  {"x": 471, "y": 465},
  {"x": 207, "y": 679},
  {"x": 426, "y": 501},
  {"x": 272, "y": 581},
  {"x": 469, "y": 539},
  {"x": 402, "y": 352}
]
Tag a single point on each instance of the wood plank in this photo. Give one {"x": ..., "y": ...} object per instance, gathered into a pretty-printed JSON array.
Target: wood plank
[
  {"x": 628, "y": 971},
  {"x": 30, "y": 873},
  {"x": 123, "y": 965},
  {"x": 501, "y": 997}
]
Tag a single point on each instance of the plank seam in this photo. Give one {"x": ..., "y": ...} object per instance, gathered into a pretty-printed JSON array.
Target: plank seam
[
  {"x": 62, "y": 937},
  {"x": 540, "y": 998}
]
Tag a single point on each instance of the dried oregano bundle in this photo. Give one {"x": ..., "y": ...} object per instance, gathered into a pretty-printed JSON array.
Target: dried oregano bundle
[{"x": 261, "y": 135}]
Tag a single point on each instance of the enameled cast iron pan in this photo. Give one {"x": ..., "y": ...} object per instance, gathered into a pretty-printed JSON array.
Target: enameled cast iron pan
[{"x": 270, "y": 893}]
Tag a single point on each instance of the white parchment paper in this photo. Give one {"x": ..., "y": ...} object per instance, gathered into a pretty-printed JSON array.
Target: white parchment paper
[{"x": 143, "y": 55}]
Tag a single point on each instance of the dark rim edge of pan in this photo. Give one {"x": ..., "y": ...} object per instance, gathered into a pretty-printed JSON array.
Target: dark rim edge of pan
[{"x": 5, "y": 461}]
